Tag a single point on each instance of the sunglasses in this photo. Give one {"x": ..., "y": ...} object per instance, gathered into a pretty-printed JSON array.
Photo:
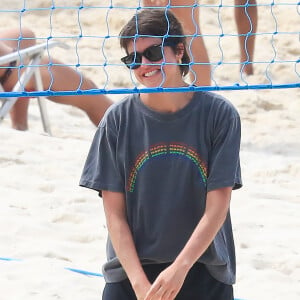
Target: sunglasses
[{"x": 152, "y": 53}]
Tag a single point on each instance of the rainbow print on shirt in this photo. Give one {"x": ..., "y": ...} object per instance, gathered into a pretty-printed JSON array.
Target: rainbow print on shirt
[{"x": 168, "y": 150}]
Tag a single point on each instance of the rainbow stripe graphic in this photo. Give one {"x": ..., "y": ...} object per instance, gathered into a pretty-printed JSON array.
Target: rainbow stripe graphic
[{"x": 171, "y": 150}]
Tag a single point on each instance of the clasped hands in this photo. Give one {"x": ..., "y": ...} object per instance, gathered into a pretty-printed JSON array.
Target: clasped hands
[{"x": 166, "y": 286}]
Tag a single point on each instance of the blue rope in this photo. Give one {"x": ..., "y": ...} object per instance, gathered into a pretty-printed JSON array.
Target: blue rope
[
  {"x": 84, "y": 272},
  {"x": 10, "y": 259},
  {"x": 70, "y": 269}
]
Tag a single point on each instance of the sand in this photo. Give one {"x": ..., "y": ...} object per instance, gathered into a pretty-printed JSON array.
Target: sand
[{"x": 48, "y": 223}]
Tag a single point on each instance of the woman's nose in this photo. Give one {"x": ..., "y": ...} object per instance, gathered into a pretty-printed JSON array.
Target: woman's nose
[{"x": 145, "y": 62}]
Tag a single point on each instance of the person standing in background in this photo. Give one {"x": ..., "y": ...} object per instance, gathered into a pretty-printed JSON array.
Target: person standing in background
[
  {"x": 187, "y": 12},
  {"x": 245, "y": 13}
]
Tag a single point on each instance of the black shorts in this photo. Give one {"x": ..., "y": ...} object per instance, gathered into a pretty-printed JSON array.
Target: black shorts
[{"x": 199, "y": 284}]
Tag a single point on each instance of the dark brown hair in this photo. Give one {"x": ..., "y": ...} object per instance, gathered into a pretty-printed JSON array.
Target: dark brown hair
[{"x": 156, "y": 23}]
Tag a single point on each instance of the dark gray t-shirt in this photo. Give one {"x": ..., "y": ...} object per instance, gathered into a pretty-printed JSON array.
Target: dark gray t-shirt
[{"x": 165, "y": 163}]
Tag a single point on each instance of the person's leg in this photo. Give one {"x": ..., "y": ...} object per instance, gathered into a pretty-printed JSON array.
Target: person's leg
[
  {"x": 19, "y": 111},
  {"x": 199, "y": 284},
  {"x": 246, "y": 22},
  {"x": 189, "y": 18},
  {"x": 56, "y": 78},
  {"x": 4, "y": 50},
  {"x": 63, "y": 78}
]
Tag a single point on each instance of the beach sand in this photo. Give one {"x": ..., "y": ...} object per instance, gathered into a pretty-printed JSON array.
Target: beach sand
[{"x": 48, "y": 223}]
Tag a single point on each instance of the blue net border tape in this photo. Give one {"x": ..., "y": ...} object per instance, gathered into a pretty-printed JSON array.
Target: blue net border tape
[
  {"x": 83, "y": 272},
  {"x": 145, "y": 90}
]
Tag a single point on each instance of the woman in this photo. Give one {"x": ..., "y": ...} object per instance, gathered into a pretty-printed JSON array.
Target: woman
[
  {"x": 58, "y": 77},
  {"x": 165, "y": 165}
]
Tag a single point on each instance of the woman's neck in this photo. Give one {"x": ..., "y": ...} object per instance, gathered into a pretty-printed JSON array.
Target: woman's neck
[{"x": 167, "y": 102}]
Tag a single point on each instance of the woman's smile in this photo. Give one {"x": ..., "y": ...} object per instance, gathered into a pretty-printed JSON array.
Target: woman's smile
[{"x": 149, "y": 74}]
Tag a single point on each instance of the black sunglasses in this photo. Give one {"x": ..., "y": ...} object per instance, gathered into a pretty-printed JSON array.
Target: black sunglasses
[{"x": 152, "y": 53}]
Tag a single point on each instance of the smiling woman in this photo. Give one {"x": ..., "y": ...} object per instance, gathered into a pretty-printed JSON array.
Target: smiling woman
[
  {"x": 169, "y": 33},
  {"x": 152, "y": 71},
  {"x": 166, "y": 194},
  {"x": 158, "y": 52}
]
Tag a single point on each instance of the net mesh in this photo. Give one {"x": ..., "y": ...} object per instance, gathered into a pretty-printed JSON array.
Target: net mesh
[{"x": 90, "y": 30}]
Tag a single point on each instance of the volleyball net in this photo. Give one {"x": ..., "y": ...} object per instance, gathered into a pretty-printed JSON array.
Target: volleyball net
[{"x": 89, "y": 31}]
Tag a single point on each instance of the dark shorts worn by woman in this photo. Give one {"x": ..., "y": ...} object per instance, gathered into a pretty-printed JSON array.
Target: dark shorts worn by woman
[{"x": 199, "y": 284}]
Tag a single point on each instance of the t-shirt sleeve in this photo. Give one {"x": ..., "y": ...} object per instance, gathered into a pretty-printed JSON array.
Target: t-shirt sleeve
[
  {"x": 224, "y": 161},
  {"x": 100, "y": 171}
]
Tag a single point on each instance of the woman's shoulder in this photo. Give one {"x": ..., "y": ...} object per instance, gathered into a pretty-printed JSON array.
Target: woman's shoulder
[
  {"x": 117, "y": 109},
  {"x": 121, "y": 105},
  {"x": 216, "y": 103}
]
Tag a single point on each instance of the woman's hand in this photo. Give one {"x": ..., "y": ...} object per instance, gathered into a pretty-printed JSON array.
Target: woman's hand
[
  {"x": 141, "y": 290},
  {"x": 168, "y": 284}
]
